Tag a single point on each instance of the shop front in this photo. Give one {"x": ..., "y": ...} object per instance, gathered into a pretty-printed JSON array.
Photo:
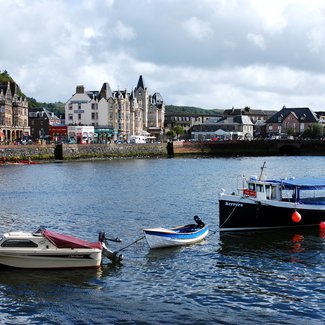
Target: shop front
[
  {"x": 104, "y": 135},
  {"x": 58, "y": 133}
]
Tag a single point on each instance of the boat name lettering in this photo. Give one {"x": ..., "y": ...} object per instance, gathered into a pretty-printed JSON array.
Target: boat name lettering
[{"x": 234, "y": 204}]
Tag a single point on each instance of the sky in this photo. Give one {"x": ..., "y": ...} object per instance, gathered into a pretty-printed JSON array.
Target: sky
[{"x": 204, "y": 53}]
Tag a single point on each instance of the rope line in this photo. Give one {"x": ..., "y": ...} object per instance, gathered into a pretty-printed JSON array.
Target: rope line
[
  {"x": 212, "y": 232},
  {"x": 233, "y": 210},
  {"x": 134, "y": 242}
]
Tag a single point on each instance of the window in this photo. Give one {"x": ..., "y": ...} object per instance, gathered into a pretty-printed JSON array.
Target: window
[
  {"x": 259, "y": 188},
  {"x": 251, "y": 186},
  {"x": 79, "y": 116},
  {"x": 19, "y": 243}
]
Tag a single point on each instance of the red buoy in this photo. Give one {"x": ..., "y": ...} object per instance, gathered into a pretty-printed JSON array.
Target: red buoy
[
  {"x": 296, "y": 216},
  {"x": 322, "y": 225}
]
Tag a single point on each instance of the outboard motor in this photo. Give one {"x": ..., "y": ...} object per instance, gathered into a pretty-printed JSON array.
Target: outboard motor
[
  {"x": 115, "y": 257},
  {"x": 199, "y": 222}
]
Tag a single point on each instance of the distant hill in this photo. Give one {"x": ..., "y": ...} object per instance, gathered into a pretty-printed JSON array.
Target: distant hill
[
  {"x": 173, "y": 109},
  {"x": 57, "y": 108},
  {"x": 5, "y": 77}
]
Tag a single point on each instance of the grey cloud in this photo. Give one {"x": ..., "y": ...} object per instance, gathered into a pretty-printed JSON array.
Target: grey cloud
[{"x": 199, "y": 53}]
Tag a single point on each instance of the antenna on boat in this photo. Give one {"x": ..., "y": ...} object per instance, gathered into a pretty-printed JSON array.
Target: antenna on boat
[{"x": 262, "y": 170}]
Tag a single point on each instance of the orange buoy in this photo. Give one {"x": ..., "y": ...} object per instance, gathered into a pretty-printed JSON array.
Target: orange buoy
[
  {"x": 322, "y": 225},
  {"x": 296, "y": 216}
]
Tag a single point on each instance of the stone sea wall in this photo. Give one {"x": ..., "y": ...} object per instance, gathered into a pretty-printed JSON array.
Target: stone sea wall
[
  {"x": 134, "y": 150},
  {"x": 81, "y": 151},
  {"x": 251, "y": 148},
  {"x": 25, "y": 152},
  {"x": 106, "y": 151}
]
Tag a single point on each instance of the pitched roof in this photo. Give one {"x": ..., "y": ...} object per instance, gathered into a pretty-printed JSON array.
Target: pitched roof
[
  {"x": 140, "y": 83},
  {"x": 14, "y": 88},
  {"x": 303, "y": 114},
  {"x": 41, "y": 112},
  {"x": 106, "y": 91},
  {"x": 244, "y": 111}
]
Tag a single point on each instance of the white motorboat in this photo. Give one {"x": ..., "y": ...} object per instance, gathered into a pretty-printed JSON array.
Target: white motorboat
[
  {"x": 46, "y": 249},
  {"x": 177, "y": 236}
]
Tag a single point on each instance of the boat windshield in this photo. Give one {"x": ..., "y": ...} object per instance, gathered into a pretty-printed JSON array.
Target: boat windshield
[
  {"x": 288, "y": 194},
  {"x": 312, "y": 196},
  {"x": 23, "y": 243}
]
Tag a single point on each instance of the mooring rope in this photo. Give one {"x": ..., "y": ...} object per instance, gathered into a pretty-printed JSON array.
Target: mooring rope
[
  {"x": 212, "y": 232},
  {"x": 233, "y": 210},
  {"x": 134, "y": 242}
]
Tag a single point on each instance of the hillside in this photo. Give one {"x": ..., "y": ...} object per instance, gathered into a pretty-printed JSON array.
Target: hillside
[
  {"x": 173, "y": 109},
  {"x": 5, "y": 77}
]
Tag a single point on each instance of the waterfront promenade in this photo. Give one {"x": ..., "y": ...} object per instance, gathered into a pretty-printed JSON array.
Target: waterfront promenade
[{"x": 49, "y": 152}]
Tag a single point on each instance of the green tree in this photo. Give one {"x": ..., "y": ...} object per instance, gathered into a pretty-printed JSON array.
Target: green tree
[
  {"x": 314, "y": 131},
  {"x": 290, "y": 131},
  {"x": 171, "y": 134},
  {"x": 178, "y": 130}
]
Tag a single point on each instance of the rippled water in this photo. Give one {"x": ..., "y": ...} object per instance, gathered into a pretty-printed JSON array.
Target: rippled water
[{"x": 274, "y": 277}]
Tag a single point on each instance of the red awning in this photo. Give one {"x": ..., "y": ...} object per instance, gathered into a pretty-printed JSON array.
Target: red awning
[
  {"x": 65, "y": 241},
  {"x": 58, "y": 129}
]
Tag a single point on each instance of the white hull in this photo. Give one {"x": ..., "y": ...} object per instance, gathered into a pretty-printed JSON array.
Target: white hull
[
  {"x": 155, "y": 241},
  {"x": 48, "y": 250},
  {"x": 52, "y": 259}
]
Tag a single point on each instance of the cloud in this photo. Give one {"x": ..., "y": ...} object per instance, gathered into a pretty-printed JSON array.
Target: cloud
[
  {"x": 197, "y": 28},
  {"x": 211, "y": 53},
  {"x": 124, "y": 32},
  {"x": 257, "y": 40}
]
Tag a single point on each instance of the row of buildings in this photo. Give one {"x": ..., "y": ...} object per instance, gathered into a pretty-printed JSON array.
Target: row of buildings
[
  {"x": 90, "y": 116},
  {"x": 246, "y": 123},
  {"x": 105, "y": 115},
  {"x": 117, "y": 115}
]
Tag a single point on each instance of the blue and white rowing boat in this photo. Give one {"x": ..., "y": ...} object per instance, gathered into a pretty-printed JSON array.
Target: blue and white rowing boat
[{"x": 182, "y": 235}]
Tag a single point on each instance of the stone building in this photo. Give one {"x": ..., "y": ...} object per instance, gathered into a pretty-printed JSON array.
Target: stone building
[
  {"x": 13, "y": 113},
  {"x": 234, "y": 127},
  {"x": 187, "y": 121},
  {"x": 117, "y": 115},
  {"x": 40, "y": 119},
  {"x": 291, "y": 120}
]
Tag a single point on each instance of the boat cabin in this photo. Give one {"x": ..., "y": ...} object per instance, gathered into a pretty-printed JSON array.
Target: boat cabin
[
  {"x": 303, "y": 191},
  {"x": 262, "y": 189}
]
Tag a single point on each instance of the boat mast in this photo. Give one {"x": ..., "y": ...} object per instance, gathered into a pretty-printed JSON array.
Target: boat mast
[{"x": 262, "y": 170}]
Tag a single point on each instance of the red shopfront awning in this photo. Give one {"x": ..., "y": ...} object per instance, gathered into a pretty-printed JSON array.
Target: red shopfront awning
[{"x": 62, "y": 130}]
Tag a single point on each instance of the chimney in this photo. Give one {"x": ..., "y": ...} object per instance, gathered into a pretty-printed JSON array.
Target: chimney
[{"x": 80, "y": 89}]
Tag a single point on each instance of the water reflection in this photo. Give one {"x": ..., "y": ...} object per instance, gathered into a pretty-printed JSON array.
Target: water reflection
[{"x": 41, "y": 280}]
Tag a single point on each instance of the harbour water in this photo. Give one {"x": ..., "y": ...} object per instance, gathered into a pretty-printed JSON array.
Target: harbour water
[{"x": 273, "y": 277}]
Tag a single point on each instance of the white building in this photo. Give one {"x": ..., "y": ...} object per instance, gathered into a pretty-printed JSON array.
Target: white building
[
  {"x": 80, "y": 134},
  {"x": 117, "y": 115},
  {"x": 234, "y": 127}
]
